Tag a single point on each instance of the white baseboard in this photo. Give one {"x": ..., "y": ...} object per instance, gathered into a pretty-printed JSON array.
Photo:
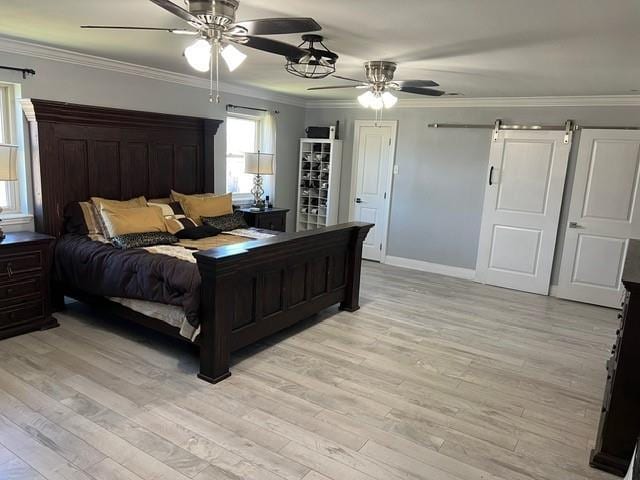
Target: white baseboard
[{"x": 458, "y": 272}]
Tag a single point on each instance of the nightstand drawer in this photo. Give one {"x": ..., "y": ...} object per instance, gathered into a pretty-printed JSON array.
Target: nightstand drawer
[
  {"x": 21, "y": 314},
  {"x": 14, "y": 264},
  {"x": 19, "y": 289}
]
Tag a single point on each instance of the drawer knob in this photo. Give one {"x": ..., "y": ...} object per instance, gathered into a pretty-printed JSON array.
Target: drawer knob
[
  {"x": 10, "y": 269},
  {"x": 9, "y": 291}
]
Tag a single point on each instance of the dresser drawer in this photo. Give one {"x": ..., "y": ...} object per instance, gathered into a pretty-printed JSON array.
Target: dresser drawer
[
  {"x": 21, "y": 314},
  {"x": 19, "y": 289},
  {"x": 17, "y": 263}
]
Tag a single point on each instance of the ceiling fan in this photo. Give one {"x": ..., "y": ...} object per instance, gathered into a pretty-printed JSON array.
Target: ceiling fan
[
  {"x": 214, "y": 21},
  {"x": 380, "y": 83}
]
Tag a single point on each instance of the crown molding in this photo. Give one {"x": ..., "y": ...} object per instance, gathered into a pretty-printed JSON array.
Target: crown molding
[
  {"x": 488, "y": 102},
  {"x": 55, "y": 54}
]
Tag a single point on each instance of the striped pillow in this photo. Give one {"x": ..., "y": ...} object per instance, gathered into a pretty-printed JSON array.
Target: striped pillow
[{"x": 174, "y": 217}]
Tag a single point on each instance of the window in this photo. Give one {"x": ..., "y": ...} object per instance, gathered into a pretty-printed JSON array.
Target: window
[
  {"x": 9, "y": 191},
  {"x": 242, "y": 137},
  {"x": 247, "y": 134}
]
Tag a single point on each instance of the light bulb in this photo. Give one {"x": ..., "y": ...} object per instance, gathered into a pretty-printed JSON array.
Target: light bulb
[
  {"x": 366, "y": 98},
  {"x": 376, "y": 102},
  {"x": 389, "y": 99},
  {"x": 199, "y": 55},
  {"x": 233, "y": 57}
]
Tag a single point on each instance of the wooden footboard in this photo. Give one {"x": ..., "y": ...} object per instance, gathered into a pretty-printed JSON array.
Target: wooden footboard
[{"x": 251, "y": 292}]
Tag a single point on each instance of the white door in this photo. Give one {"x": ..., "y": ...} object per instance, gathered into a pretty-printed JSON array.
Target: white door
[
  {"x": 527, "y": 170},
  {"x": 374, "y": 150},
  {"x": 602, "y": 217}
]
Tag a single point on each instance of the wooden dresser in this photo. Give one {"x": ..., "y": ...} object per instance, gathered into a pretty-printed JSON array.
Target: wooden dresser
[
  {"x": 620, "y": 419},
  {"x": 25, "y": 300}
]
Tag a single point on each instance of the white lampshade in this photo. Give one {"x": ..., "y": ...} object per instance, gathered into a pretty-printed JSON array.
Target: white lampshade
[
  {"x": 8, "y": 162},
  {"x": 199, "y": 55},
  {"x": 232, "y": 57},
  {"x": 259, "y": 163}
]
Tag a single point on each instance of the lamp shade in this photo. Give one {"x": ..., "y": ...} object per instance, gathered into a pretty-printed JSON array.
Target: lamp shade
[
  {"x": 258, "y": 163},
  {"x": 8, "y": 162}
]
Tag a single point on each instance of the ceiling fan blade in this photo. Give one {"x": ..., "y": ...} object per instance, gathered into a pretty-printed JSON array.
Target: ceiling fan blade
[
  {"x": 330, "y": 88},
  {"x": 349, "y": 79},
  {"x": 416, "y": 83},
  {"x": 422, "y": 91},
  {"x": 152, "y": 29},
  {"x": 171, "y": 7},
  {"x": 272, "y": 46},
  {"x": 278, "y": 26}
]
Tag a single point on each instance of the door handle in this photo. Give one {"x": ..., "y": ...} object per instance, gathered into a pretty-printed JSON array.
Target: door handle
[
  {"x": 359, "y": 200},
  {"x": 491, "y": 175},
  {"x": 575, "y": 225}
]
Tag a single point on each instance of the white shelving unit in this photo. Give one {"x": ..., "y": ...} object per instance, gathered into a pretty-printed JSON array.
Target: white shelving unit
[{"x": 318, "y": 183}]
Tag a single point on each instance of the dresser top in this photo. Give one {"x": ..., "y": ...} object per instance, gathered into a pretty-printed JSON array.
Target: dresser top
[
  {"x": 631, "y": 273},
  {"x": 16, "y": 238}
]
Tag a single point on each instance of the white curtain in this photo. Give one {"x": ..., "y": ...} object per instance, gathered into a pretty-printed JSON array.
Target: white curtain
[{"x": 268, "y": 145}]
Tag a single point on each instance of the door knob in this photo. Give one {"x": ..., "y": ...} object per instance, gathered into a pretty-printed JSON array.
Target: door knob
[
  {"x": 359, "y": 200},
  {"x": 575, "y": 225}
]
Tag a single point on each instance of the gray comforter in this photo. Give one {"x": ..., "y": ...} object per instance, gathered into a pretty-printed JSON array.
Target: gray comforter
[{"x": 100, "y": 269}]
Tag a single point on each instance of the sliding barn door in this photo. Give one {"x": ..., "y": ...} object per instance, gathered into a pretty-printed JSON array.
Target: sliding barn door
[
  {"x": 603, "y": 217},
  {"x": 525, "y": 183}
]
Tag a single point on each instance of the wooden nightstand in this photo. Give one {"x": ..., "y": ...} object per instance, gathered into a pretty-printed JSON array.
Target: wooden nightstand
[
  {"x": 25, "y": 299},
  {"x": 269, "y": 219}
]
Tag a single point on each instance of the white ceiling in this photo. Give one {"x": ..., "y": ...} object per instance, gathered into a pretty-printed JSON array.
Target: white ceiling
[{"x": 480, "y": 48}]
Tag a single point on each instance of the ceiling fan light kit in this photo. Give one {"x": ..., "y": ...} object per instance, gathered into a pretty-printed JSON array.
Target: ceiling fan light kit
[
  {"x": 215, "y": 22},
  {"x": 319, "y": 62},
  {"x": 380, "y": 83}
]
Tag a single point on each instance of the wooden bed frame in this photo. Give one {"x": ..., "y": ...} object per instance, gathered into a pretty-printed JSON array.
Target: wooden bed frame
[{"x": 249, "y": 290}]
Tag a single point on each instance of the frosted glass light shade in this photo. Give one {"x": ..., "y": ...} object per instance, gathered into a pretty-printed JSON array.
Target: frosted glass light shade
[
  {"x": 232, "y": 57},
  {"x": 259, "y": 163},
  {"x": 366, "y": 98},
  {"x": 199, "y": 55},
  {"x": 8, "y": 162},
  {"x": 389, "y": 100},
  {"x": 377, "y": 100}
]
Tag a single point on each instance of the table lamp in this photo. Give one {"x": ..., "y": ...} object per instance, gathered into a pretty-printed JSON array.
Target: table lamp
[
  {"x": 258, "y": 164},
  {"x": 8, "y": 168}
]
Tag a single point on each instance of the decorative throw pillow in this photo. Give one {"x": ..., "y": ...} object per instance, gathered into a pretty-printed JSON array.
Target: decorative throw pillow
[
  {"x": 99, "y": 203},
  {"x": 178, "y": 197},
  {"x": 121, "y": 221},
  {"x": 197, "y": 207},
  {"x": 196, "y": 233},
  {"x": 140, "y": 240},
  {"x": 81, "y": 218},
  {"x": 174, "y": 217},
  {"x": 227, "y": 222}
]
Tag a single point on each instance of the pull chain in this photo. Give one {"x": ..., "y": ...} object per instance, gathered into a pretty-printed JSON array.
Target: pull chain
[
  {"x": 214, "y": 52},
  {"x": 217, "y": 72},
  {"x": 211, "y": 78}
]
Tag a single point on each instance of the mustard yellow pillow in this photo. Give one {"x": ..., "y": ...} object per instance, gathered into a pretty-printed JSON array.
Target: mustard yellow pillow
[
  {"x": 122, "y": 221},
  {"x": 198, "y": 207},
  {"x": 101, "y": 203},
  {"x": 178, "y": 197}
]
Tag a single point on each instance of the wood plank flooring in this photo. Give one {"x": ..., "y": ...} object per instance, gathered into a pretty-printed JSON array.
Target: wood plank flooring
[{"x": 434, "y": 378}]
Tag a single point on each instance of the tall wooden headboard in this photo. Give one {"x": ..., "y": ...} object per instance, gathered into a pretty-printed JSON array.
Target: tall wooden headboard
[{"x": 81, "y": 151}]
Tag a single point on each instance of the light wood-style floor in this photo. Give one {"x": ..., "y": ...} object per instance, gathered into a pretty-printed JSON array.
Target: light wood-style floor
[{"x": 434, "y": 378}]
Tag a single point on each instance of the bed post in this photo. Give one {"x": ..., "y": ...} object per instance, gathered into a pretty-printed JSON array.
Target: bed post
[
  {"x": 216, "y": 315},
  {"x": 354, "y": 265}
]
